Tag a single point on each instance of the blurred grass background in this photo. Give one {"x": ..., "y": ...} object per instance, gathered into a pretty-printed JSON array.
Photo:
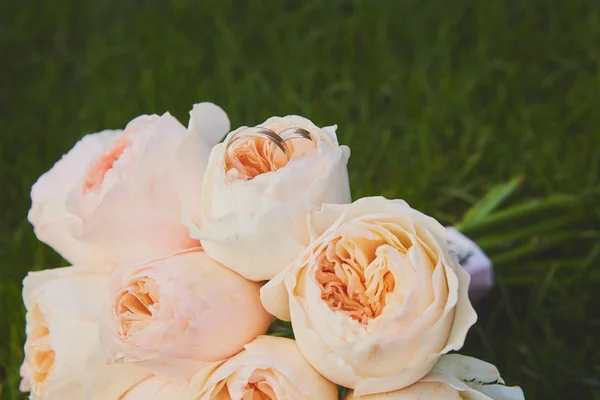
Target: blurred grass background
[{"x": 438, "y": 100}]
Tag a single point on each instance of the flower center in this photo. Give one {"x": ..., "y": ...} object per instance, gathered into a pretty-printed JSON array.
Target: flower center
[
  {"x": 104, "y": 163},
  {"x": 255, "y": 151},
  {"x": 253, "y": 156},
  {"x": 135, "y": 305},
  {"x": 354, "y": 278},
  {"x": 259, "y": 390}
]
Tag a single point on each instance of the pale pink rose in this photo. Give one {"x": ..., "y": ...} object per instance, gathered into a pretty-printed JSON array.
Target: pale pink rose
[
  {"x": 62, "y": 350},
  {"x": 376, "y": 298},
  {"x": 269, "y": 368},
  {"x": 176, "y": 314},
  {"x": 114, "y": 197},
  {"x": 251, "y": 212},
  {"x": 454, "y": 377}
]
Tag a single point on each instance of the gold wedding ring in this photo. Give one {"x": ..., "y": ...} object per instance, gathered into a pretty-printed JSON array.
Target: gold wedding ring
[
  {"x": 260, "y": 132},
  {"x": 278, "y": 140},
  {"x": 296, "y": 133}
]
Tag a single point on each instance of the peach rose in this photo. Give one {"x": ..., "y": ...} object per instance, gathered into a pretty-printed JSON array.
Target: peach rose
[
  {"x": 113, "y": 198},
  {"x": 454, "y": 377},
  {"x": 251, "y": 214},
  {"x": 376, "y": 298},
  {"x": 176, "y": 314},
  {"x": 269, "y": 368},
  {"x": 62, "y": 346}
]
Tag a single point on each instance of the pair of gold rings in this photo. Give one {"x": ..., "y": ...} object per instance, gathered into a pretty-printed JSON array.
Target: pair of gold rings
[{"x": 276, "y": 139}]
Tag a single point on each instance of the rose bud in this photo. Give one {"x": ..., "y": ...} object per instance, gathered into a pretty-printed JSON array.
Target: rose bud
[
  {"x": 177, "y": 314},
  {"x": 269, "y": 368},
  {"x": 258, "y": 188},
  {"x": 376, "y": 298},
  {"x": 454, "y": 377},
  {"x": 113, "y": 197}
]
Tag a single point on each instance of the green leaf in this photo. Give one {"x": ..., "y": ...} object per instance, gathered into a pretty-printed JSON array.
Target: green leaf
[
  {"x": 538, "y": 245},
  {"x": 501, "y": 240},
  {"x": 516, "y": 214},
  {"x": 495, "y": 196}
]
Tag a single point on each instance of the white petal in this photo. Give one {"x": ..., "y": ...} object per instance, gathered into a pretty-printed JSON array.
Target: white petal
[
  {"x": 209, "y": 121},
  {"x": 465, "y": 315},
  {"x": 468, "y": 369},
  {"x": 275, "y": 298}
]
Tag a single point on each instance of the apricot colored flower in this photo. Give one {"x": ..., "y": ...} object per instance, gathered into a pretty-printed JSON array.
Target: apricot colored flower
[
  {"x": 177, "y": 314},
  {"x": 376, "y": 298}
]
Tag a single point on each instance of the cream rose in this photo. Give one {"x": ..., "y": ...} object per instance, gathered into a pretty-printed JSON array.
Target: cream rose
[
  {"x": 376, "y": 298},
  {"x": 454, "y": 377},
  {"x": 62, "y": 346},
  {"x": 113, "y": 198},
  {"x": 269, "y": 368},
  {"x": 177, "y": 314},
  {"x": 257, "y": 191}
]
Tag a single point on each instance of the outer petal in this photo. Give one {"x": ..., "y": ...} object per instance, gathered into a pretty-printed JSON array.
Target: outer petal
[
  {"x": 69, "y": 301},
  {"x": 208, "y": 124},
  {"x": 104, "y": 381},
  {"x": 137, "y": 235},
  {"x": 275, "y": 298},
  {"x": 53, "y": 223},
  {"x": 157, "y": 389},
  {"x": 73, "y": 291},
  {"x": 454, "y": 377},
  {"x": 476, "y": 379},
  {"x": 417, "y": 391},
  {"x": 468, "y": 369},
  {"x": 465, "y": 315}
]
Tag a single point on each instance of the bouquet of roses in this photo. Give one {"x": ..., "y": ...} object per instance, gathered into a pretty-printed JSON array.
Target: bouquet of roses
[{"x": 242, "y": 270}]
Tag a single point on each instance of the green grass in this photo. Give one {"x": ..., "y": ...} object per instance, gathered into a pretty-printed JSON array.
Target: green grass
[{"x": 438, "y": 99}]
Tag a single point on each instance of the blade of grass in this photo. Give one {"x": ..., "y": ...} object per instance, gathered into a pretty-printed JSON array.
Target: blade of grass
[
  {"x": 535, "y": 246},
  {"x": 517, "y": 213},
  {"x": 488, "y": 243},
  {"x": 495, "y": 196}
]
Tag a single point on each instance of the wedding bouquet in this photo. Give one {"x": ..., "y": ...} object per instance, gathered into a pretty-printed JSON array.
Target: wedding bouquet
[{"x": 242, "y": 270}]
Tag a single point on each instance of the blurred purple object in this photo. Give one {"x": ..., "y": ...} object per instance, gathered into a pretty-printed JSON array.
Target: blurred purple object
[{"x": 474, "y": 260}]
